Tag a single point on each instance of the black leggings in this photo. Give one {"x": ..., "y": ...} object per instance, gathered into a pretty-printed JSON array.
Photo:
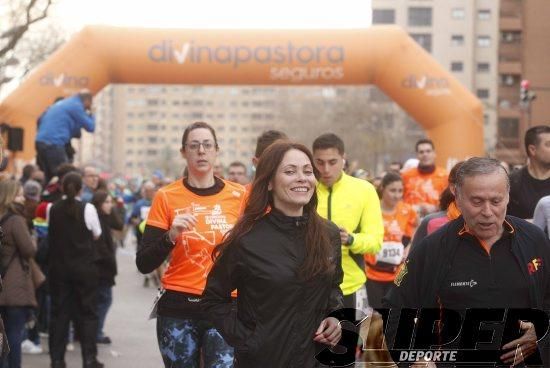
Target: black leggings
[{"x": 376, "y": 290}]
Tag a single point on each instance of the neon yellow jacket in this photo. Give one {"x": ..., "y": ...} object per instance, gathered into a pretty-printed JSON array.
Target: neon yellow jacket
[{"x": 354, "y": 205}]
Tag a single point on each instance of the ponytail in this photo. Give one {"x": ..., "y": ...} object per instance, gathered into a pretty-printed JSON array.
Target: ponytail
[{"x": 72, "y": 185}]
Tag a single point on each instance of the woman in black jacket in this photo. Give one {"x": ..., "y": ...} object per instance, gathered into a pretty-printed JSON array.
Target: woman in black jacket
[
  {"x": 106, "y": 257},
  {"x": 285, "y": 261}
]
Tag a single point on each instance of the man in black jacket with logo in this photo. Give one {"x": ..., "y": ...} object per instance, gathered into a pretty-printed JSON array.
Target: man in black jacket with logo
[{"x": 483, "y": 259}]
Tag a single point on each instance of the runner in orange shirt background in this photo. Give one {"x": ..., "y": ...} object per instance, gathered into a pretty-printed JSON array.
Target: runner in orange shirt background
[
  {"x": 400, "y": 221},
  {"x": 188, "y": 218},
  {"x": 423, "y": 185}
]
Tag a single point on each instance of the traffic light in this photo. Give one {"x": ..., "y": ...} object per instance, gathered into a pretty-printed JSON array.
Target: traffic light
[
  {"x": 525, "y": 94},
  {"x": 524, "y": 91}
]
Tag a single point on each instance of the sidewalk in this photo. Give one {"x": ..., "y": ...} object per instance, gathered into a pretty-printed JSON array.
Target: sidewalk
[{"x": 134, "y": 337}]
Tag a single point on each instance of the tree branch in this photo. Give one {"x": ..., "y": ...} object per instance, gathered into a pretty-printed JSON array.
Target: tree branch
[{"x": 16, "y": 32}]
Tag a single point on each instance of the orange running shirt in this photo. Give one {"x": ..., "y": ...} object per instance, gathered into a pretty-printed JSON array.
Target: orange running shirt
[
  {"x": 423, "y": 189},
  {"x": 191, "y": 259},
  {"x": 401, "y": 223}
]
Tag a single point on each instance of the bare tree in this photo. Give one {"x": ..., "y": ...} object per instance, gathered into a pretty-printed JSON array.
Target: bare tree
[{"x": 18, "y": 17}]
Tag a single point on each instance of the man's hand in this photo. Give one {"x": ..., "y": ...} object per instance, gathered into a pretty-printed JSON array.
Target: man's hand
[
  {"x": 344, "y": 236},
  {"x": 522, "y": 347},
  {"x": 329, "y": 332},
  {"x": 181, "y": 223}
]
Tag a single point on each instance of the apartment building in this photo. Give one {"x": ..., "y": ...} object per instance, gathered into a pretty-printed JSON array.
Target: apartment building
[
  {"x": 463, "y": 36},
  {"x": 523, "y": 54}
]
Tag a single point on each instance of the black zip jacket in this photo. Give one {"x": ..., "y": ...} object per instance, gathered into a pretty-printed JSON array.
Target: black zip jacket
[
  {"x": 421, "y": 278},
  {"x": 277, "y": 313},
  {"x": 106, "y": 247},
  {"x": 428, "y": 264}
]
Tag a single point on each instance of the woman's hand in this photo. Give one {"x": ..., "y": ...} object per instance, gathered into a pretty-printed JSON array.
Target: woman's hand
[
  {"x": 181, "y": 223},
  {"x": 329, "y": 332}
]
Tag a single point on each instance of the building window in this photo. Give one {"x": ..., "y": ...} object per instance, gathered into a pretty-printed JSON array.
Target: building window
[
  {"x": 457, "y": 40},
  {"x": 383, "y": 16},
  {"x": 508, "y": 127},
  {"x": 484, "y": 14},
  {"x": 483, "y": 68},
  {"x": 509, "y": 80},
  {"x": 510, "y": 36},
  {"x": 424, "y": 40},
  {"x": 458, "y": 13},
  {"x": 482, "y": 93},
  {"x": 484, "y": 41},
  {"x": 420, "y": 17},
  {"x": 457, "y": 66}
]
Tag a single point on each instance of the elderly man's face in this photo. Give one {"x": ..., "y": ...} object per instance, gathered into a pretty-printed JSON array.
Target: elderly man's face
[
  {"x": 91, "y": 178},
  {"x": 482, "y": 199}
]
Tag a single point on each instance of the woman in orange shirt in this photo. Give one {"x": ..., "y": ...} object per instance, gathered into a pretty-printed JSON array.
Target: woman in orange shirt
[
  {"x": 187, "y": 219},
  {"x": 400, "y": 221}
]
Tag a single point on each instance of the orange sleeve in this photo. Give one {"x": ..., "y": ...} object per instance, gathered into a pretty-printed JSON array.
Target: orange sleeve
[
  {"x": 412, "y": 223},
  {"x": 159, "y": 215}
]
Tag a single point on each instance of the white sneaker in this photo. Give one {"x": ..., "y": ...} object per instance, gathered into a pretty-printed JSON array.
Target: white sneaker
[
  {"x": 28, "y": 347},
  {"x": 70, "y": 346}
]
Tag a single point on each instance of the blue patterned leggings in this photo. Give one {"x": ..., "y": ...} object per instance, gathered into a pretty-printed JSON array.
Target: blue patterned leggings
[{"x": 181, "y": 342}]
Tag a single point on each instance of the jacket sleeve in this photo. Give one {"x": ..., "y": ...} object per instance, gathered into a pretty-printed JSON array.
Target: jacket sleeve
[
  {"x": 216, "y": 299},
  {"x": 82, "y": 118},
  {"x": 22, "y": 238},
  {"x": 408, "y": 282},
  {"x": 336, "y": 298},
  {"x": 371, "y": 228},
  {"x": 116, "y": 219},
  {"x": 154, "y": 250},
  {"x": 420, "y": 233},
  {"x": 541, "y": 217}
]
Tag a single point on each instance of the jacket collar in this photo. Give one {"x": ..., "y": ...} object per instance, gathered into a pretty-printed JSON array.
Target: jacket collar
[
  {"x": 337, "y": 184},
  {"x": 287, "y": 223}
]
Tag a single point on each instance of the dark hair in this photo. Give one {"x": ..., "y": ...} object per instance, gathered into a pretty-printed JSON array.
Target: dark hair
[
  {"x": 198, "y": 125},
  {"x": 532, "y": 136},
  {"x": 72, "y": 184},
  {"x": 102, "y": 184},
  {"x": 447, "y": 197},
  {"x": 266, "y": 139},
  {"x": 398, "y": 163},
  {"x": 27, "y": 172},
  {"x": 329, "y": 140},
  {"x": 64, "y": 169},
  {"x": 99, "y": 197},
  {"x": 318, "y": 247},
  {"x": 238, "y": 163},
  {"x": 423, "y": 141},
  {"x": 389, "y": 178}
]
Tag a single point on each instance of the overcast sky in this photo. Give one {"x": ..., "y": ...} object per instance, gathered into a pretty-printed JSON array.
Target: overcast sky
[{"x": 74, "y": 14}]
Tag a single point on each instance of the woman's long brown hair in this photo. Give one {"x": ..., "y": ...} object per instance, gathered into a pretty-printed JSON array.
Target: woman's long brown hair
[{"x": 319, "y": 251}]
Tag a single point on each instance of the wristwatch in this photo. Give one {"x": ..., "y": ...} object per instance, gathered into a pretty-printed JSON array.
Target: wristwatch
[{"x": 350, "y": 240}]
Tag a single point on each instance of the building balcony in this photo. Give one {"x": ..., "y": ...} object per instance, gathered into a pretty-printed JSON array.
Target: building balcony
[
  {"x": 509, "y": 112},
  {"x": 510, "y": 23},
  {"x": 509, "y": 67}
]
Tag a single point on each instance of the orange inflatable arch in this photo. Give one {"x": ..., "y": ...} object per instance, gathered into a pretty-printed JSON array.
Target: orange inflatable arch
[{"x": 382, "y": 55}]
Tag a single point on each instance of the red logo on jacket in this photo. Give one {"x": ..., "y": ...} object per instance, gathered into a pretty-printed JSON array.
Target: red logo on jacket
[{"x": 534, "y": 265}]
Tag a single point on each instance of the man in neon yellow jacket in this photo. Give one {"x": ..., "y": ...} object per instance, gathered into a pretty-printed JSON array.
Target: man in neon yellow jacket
[{"x": 354, "y": 206}]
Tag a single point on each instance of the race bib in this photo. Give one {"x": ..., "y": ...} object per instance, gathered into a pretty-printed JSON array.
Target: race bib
[{"x": 391, "y": 253}]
